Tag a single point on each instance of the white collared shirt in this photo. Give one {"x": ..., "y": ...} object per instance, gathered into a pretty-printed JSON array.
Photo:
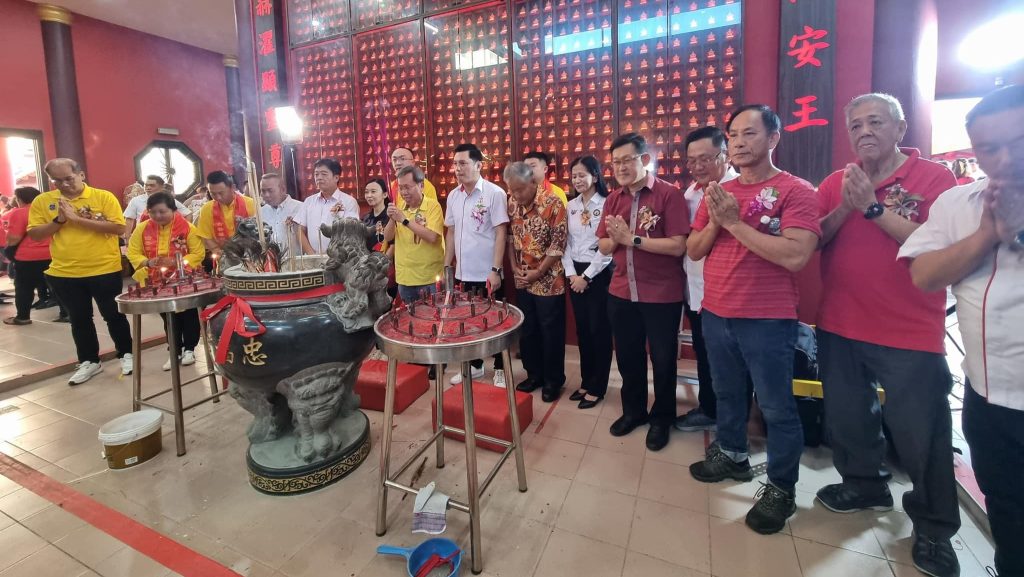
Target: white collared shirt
[
  {"x": 582, "y": 241},
  {"x": 137, "y": 207},
  {"x": 316, "y": 210},
  {"x": 475, "y": 218},
  {"x": 695, "y": 269},
  {"x": 989, "y": 301},
  {"x": 277, "y": 217}
]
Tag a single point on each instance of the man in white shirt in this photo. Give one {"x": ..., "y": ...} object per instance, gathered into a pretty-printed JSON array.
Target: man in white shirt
[
  {"x": 325, "y": 206},
  {"x": 708, "y": 161},
  {"x": 279, "y": 211},
  {"x": 477, "y": 219},
  {"x": 974, "y": 240},
  {"x": 136, "y": 208}
]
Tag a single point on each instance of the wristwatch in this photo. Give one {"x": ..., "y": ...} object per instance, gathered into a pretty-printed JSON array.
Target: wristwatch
[
  {"x": 405, "y": 222},
  {"x": 874, "y": 211},
  {"x": 586, "y": 278},
  {"x": 57, "y": 220},
  {"x": 636, "y": 240},
  {"x": 498, "y": 270}
]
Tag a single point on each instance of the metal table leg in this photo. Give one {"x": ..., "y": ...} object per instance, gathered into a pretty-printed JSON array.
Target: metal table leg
[
  {"x": 136, "y": 362},
  {"x": 510, "y": 390},
  {"x": 438, "y": 396},
  {"x": 472, "y": 479},
  {"x": 179, "y": 412},
  {"x": 210, "y": 367},
  {"x": 385, "y": 447}
]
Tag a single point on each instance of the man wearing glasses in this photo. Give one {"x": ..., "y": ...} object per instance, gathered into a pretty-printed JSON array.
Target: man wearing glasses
[
  {"x": 644, "y": 228},
  {"x": 83, "y": 224},
  {"x": 402, "y": 157},
  {"x": 707, "y": 161}
]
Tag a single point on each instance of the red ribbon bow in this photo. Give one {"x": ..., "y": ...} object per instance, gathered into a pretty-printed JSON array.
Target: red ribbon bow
[{"x": 240, "y": 310}]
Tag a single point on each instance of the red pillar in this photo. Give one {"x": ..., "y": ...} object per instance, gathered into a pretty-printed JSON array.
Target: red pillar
[{"x": 62, "y": 82}]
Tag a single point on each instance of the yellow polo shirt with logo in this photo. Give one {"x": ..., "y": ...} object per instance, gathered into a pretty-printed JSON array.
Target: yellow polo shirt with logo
[
  {"x": 204, "y": 226},
  {"x": 556, "y": 190},
  {"x": 136, "y": 252},
  {"x": 76, "y": 251},
  {"x": 418, "y": 262}
]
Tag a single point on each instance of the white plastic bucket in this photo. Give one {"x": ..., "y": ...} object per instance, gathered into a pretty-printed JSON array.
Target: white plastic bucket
[{"x": 132, "y": 439}]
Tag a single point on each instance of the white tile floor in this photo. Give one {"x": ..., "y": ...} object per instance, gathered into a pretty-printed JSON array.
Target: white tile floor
[{"x": 596, "y": 505}]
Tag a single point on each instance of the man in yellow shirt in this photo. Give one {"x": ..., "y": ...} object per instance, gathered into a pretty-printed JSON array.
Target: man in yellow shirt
[
  {"x": 402, "y": 157},
  {"x": 83, "y": 224},
  {"x": 416, "y": 226},
  {"x": 217, "y": 217},
  {"x": 538, "y": 162}
]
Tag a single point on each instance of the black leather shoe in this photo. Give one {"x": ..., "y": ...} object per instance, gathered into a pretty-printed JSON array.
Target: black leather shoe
[
  {"x": 550, "y": 394},
  {"x": 577, "y": 395},
  {"x": 657, "y": 436},
  {"x": 624, "y": 425},
  {"x": 935, "y": 557},
  {"x": 528, "y": 385},
  {"x": 586, "y": 403}
]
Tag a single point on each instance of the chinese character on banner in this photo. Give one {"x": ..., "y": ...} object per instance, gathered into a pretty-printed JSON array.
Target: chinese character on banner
[
  {"x": 275, "y": 155},
  {"x": 268, "y": 81},
  {"x": 264, "y": 8},
  {"x": 804, "y": 114},
  {"x": 804, "y": 53},
  {"x": 266, "y": 42},
  {"x": 270, "y": 117}
]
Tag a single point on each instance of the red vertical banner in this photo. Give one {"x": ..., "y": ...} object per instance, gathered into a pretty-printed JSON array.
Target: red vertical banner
[
  {"x": 271, "y": 80},
  {"x": 806, "y": 87}
]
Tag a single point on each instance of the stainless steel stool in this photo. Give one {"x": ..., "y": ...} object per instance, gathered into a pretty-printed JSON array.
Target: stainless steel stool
[{"x": 483, "y": 347}]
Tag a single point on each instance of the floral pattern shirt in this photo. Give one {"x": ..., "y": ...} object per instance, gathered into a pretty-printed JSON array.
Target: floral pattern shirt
[{"x": 539, "y": 231}]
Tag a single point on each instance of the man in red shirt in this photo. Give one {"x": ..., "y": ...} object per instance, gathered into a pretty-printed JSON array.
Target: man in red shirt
[
  {"x": 644, "y": 228},
  {"x": 876, "y": 328},
  {"x": 756, "y": 231}
]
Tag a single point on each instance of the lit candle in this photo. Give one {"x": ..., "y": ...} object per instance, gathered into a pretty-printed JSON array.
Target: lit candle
[
  {"x": 437, "y": 283},
  {"x": 216, "y": 263},
  {"x": 163, "y": 275}
]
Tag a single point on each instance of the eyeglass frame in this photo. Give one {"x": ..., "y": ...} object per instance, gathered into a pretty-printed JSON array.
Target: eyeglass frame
[{"x": 704, "y": 161}]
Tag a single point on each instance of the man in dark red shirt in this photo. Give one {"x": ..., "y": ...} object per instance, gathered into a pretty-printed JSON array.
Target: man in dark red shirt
[
  {"x": 756, "y": 231},
  {"x": 876, "y": 328},
  {"x": 644, "y": 228}
]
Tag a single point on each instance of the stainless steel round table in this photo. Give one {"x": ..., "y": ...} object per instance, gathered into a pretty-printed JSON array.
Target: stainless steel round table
[{"x": 137, "y": 302}]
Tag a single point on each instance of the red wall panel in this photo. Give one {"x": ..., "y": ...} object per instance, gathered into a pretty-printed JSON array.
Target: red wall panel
[
  {"x": 24, "y": 101},
  {"x": 130, "y": 84}
]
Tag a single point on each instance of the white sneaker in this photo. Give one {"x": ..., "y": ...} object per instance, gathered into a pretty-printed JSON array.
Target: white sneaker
[
  {"x": 127, "y": 364},
  {"x": 84, "y": 372},
  {"x": 476, "y": 373},
  {"x": 499, "y": 378},
  {"x": 167, "y": 364},
  {"x": 187, "y": 358}
]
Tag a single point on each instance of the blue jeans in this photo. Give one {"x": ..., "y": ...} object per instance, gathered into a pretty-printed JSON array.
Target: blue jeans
[
  {"x": 412, "y": 293},
  {"x": 762, "y": 349}
]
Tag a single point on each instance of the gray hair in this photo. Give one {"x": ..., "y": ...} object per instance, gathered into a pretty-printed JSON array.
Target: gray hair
[
  {"x": 72, "y": 164},
  {"x": 518, "y": 171},
  {"x": 417, "y": 174},
  {"x": 895, "y": 108}
]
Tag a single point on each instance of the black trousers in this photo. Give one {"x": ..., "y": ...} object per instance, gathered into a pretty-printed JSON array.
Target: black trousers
[
  {"x": 77, "y": 295},
  {"x": 593, "y": 331},
  {"x": 916, "y": 412},
  {"x": 705, "y": 388},
  {"x": 188, "y": 329},
  {"x": 482, "y": 287},
  {"x": 995, "y": 435},
  {"x": 542, "y": 338},
  {"x": 637, "y": 328},
  {"x": 27, "y": 282}
]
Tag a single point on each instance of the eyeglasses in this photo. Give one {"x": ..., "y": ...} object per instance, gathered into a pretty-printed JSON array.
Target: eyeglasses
[
  {"x": 627, "y": 160},
  {"x": 702, "y": 160}
]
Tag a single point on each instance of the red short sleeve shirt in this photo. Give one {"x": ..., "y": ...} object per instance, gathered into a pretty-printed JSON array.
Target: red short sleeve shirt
[
  {"x": 658, "y": 210},
  {"x": 16, "y": 222},
  {"x": 868, "y": 294},
  {"x": 741, "y": 284}
]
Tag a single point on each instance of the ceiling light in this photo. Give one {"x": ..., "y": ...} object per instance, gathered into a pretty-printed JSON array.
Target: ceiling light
[{"x": 994, "y": 45}]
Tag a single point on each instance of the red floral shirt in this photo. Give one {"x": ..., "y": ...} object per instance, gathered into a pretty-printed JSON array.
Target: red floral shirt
[{"x": 539, "y": 231}]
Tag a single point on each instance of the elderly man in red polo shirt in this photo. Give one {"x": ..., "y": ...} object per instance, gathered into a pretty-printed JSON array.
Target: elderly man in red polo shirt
[
  {"x": 644, "y": 228},
  {"x": 756, "y": 231},
  {"x": 877, "y": 328}
]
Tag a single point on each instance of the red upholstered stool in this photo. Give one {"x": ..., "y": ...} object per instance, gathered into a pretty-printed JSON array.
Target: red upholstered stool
[
  {"x": 372, "y": 384},
  {"x": 490, "y": 411}
]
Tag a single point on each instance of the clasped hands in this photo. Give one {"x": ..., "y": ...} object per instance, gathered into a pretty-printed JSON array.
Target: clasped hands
[
  {"x": 1003, "y": 215},
  {"x": 858, "y": 191},
  {"x": 723, "y": 208}
]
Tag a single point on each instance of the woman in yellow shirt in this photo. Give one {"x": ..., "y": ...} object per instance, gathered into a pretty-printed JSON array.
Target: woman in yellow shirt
[{"x": 152, "y": 250}]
